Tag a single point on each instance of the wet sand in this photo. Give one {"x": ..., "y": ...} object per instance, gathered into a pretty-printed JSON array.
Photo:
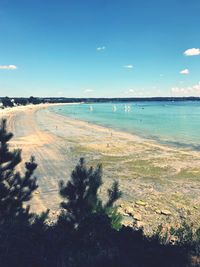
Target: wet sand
[{"x": 165, "y": 180}]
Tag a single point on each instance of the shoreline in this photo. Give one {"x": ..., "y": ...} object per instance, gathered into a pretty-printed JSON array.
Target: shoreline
[
  {"x": 163, "y": 178},
  {"x": 11, "y": 110},
  {"x": 156, "y": 139},
  {"x": 126, "y": 134}
]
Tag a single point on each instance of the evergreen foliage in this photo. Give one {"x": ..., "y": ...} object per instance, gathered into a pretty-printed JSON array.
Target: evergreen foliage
[
  {"x": 34, "y": 100},
  {"x": 7, "y": 102},
  {"x": 22, "y": 101},
  {"x": 81, "y": 194},
  {"x": 15, "y": 188}
]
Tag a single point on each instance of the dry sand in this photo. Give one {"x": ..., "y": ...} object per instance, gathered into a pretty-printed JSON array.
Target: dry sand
[{"x": 165, "y": 178}]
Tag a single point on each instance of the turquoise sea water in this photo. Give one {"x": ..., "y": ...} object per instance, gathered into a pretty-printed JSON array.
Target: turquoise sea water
[{"x": 176, "y": 123}]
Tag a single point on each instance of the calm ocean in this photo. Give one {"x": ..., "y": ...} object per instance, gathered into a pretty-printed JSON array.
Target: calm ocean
[{"x": 176, "y": 123}]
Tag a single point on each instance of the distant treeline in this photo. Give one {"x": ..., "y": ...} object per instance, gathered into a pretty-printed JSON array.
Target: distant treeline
[
  {"x": 117, "y": 99},
  {"x": 15, "y": 101},
  {"x": 9, "y": 102}
]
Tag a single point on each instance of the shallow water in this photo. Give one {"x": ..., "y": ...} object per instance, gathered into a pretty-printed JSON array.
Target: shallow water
[{"x": 177, "y": 123}]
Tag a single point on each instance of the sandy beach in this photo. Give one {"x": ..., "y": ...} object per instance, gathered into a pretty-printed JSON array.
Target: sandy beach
[{"x": 160, "y": 184}]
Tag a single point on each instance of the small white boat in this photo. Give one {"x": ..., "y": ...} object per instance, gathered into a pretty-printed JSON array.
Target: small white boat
[
  {"x": 127, "y": 108},
  {"x": 91, "y": 108},
  {"x": 114, "y": 108}
]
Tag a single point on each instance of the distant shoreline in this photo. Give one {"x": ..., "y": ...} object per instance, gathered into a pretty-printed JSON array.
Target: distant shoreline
[
  {"x": 13, "y": 110},
  {"x": 69, "y": 100}
]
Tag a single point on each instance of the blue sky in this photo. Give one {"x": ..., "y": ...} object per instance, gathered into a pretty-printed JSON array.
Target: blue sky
[{"x": 99, "y": 48}]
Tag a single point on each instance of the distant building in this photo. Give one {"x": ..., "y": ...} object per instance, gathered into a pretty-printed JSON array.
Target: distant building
[{"x": 13, "y": 101}]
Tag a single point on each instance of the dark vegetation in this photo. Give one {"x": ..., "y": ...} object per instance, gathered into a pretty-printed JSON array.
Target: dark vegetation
[
  {"x": 6, "y": 101},
  {"x": 88, "y": 231},
  {"x": 117, "y": 99},
  {"x": 9, "y": 102}
]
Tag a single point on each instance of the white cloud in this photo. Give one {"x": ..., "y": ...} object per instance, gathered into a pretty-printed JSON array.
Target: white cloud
[
  {"x": 60, "y": 93},
  {"x": 185, "y": 71},
  {"x": 101, "y": 48},
  {"x": 196, "y": 86},
  {"x": 137, "y": 92},
  {"x": 193, "y": 90},
  {"x": 192, "y": 52},
  {"x": 130, "y": 66},
  {"x": 130, "y": 92},
  {"x": 8, "y": 67},
  {"x": 88, "y": 90}
]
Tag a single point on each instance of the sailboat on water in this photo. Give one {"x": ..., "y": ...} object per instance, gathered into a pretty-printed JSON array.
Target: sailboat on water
[
  {"x": 127, "y": 108},
  {"x": 114, "y": 108}
]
